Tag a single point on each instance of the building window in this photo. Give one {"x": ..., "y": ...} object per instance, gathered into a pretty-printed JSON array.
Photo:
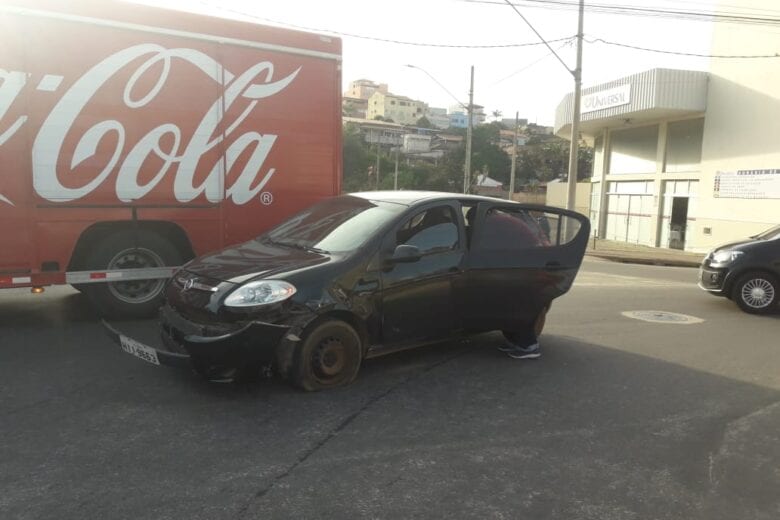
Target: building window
[
  {"x": 683, "y": 145},
  {"x": 392, "y": 102},
  {"x": 633, "y": 150}
]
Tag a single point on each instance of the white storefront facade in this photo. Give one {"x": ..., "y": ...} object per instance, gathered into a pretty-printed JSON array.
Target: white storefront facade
[{"x": 686, "y": 159}]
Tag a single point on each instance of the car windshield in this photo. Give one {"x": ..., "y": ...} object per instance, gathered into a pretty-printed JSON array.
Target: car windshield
[
  {"x": 769, "y": 234},
  {"x": 340, "y": 224}
]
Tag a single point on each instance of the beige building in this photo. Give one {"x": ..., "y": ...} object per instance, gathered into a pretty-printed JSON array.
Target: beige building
[
  {"x": 364, "y": 89},
  {"x": 400, "y": 109},
  {"x": 687, "y": 159}
]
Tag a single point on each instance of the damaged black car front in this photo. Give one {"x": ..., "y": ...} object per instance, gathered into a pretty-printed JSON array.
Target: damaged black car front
[{"x": 236, "y": 313}]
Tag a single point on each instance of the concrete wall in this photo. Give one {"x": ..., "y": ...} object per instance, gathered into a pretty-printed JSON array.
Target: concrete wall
[
  {"x": 530, "y": 198},
  {"x": 558, "y": 191},
  {"x": 741, "y": 128}
]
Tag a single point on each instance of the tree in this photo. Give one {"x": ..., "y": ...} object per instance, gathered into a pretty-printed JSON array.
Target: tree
[
  {"x": 424, "y": 122},
  {"x": 356, "y": 159},
  {"x": 549, "y": 159},
  {"x": 497, "y": 115}
]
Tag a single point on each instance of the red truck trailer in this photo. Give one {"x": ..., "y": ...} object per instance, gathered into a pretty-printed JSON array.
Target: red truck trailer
[{"x": 133, "y": 138}]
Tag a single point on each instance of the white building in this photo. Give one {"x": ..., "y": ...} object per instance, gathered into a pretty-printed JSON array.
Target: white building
[
  {"x": 400, "y": 109},
  {"x": 687, "y": 159},
  {"x": 438, "y": 117}
]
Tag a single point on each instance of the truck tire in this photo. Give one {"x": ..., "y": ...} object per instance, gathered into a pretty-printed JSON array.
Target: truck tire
[{"x": 130, "y": 250}]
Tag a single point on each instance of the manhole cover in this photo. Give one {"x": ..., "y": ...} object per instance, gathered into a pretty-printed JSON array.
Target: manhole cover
[{"x": 662, "y": 317}]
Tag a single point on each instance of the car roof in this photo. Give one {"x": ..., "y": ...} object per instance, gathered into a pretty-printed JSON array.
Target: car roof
[{"x": 410, "y": 198}]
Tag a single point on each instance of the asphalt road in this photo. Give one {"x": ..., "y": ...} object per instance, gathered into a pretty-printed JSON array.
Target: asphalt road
[{"x": 620, "y": 419}]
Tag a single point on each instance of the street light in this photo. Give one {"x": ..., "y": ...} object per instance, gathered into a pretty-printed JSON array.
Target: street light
[{"x": 469, "y": 128}]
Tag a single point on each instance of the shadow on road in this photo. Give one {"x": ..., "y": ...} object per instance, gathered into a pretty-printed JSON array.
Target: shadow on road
[{"x": 454, "y": 430}]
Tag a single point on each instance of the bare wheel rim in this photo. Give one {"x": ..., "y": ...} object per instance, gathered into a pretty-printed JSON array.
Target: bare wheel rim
[
  {"x": 329, "y": 359},
  {"x": 136, "y": 291},
  {"x": 758, "y": 293}
]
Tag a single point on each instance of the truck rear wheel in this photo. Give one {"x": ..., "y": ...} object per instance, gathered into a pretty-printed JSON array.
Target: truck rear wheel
[{"x": 130, "y": 250}]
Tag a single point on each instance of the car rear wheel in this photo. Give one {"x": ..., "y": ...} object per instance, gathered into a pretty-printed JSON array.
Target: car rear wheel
[
  {"x": 756, "y": 292},
  {"x": 328, "y": 356}
]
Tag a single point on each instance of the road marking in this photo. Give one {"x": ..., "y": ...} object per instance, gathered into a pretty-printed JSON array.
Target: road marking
[{"x": 662, "y": 317}]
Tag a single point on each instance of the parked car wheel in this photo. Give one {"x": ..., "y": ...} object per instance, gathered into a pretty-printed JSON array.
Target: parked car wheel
[
  {"x": 128, "y": 250},
  {"x": 329, "y": 355},
  {"x": 756, "y": 292}
]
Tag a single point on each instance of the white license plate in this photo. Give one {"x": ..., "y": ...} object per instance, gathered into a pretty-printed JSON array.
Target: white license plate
[{"x": 139, "y": 350}]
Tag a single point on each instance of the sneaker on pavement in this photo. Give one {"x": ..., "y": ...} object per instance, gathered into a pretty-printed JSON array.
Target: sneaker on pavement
[{"x": 531, "y": 352}]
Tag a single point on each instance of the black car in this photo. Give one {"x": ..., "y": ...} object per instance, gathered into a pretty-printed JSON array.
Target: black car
[
  {"x": 747, "y": 272},
  {"x": 362, "y": 275}
]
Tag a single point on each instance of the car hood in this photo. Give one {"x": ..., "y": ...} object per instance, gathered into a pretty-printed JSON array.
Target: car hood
[
  {"x": 742, "y": 245},
  {"x": 738, "y": 244},
  {"x": 239, "y": 263}
]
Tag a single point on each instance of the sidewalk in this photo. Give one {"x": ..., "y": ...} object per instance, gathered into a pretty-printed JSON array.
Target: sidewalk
[{"x": 636, "y": 254}]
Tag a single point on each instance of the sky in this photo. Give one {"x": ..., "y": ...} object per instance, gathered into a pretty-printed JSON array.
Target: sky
[{"x": 527, "y": 79}]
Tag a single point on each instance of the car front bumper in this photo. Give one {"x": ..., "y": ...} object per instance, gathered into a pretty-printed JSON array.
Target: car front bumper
[
  {"x": 216, "y": 351},
  {"x": 713, "y": 280}
]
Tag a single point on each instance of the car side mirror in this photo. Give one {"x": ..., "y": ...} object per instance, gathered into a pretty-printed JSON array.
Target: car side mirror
[{"x": 405, "y": 254}]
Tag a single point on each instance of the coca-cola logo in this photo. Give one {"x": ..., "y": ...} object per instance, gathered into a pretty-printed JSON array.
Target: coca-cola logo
[{"x": 166, "y": 142}]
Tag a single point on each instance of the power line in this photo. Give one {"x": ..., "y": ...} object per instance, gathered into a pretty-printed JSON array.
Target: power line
[
  {"x": 564, "y": 40},
  {"x": 617, "y": 9},
  {"x": 384, "y": 40},
  {"x": 678, "y": 53},
  {"x": 529, "y": 65},
  {"x": 508, "y": 2}
]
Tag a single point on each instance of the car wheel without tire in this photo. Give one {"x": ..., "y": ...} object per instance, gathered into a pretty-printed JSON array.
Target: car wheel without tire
[
  {"x": 756, "y": 292},
  {"x": 328, "y": 356},
  {"x": 129, "y": 250}
]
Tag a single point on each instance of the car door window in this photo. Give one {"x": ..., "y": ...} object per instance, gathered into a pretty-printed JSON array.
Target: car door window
[
  {"x": 504, "y": 229},
  {"x": 432, "y": 230}
]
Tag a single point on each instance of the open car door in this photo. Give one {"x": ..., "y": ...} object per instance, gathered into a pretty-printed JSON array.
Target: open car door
[{"x": 520, "y": 258}]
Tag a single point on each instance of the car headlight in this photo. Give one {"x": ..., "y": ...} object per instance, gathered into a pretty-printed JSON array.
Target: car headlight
[
  {"x": 260, "y": 293},
  {"x": 726, "y": 256}
]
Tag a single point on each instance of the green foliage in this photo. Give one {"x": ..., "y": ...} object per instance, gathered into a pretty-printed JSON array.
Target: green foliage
[
  {"x": 540, "y": 162},
  {"x": 423, "y": 122},
  {"x": 356, "y": 159},
  {"x": 545, "y": 160}
]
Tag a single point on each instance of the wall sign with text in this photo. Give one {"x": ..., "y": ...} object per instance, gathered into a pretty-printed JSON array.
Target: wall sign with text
[
  {"x": 747, "y": 184},
  {"x": 610, "y": 98}
]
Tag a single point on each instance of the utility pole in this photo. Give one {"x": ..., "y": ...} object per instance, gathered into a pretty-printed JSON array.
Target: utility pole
[
  {"x": 514, "y": 157},
  {"x": 395, "y": 178},
  {"x": 469, "y": 126},
  {"x": 376, "y": 170},
  {"x": 571, "y": 196},
  {"x": 575, "y": 120},
  {"x": 469, "y": 131}
]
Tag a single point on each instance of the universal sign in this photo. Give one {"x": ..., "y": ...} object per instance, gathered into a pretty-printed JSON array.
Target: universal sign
[{"x": 613, "y": 97}]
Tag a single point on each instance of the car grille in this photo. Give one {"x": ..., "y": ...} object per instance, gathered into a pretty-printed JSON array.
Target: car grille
[{"x": 191, "y": 290}]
